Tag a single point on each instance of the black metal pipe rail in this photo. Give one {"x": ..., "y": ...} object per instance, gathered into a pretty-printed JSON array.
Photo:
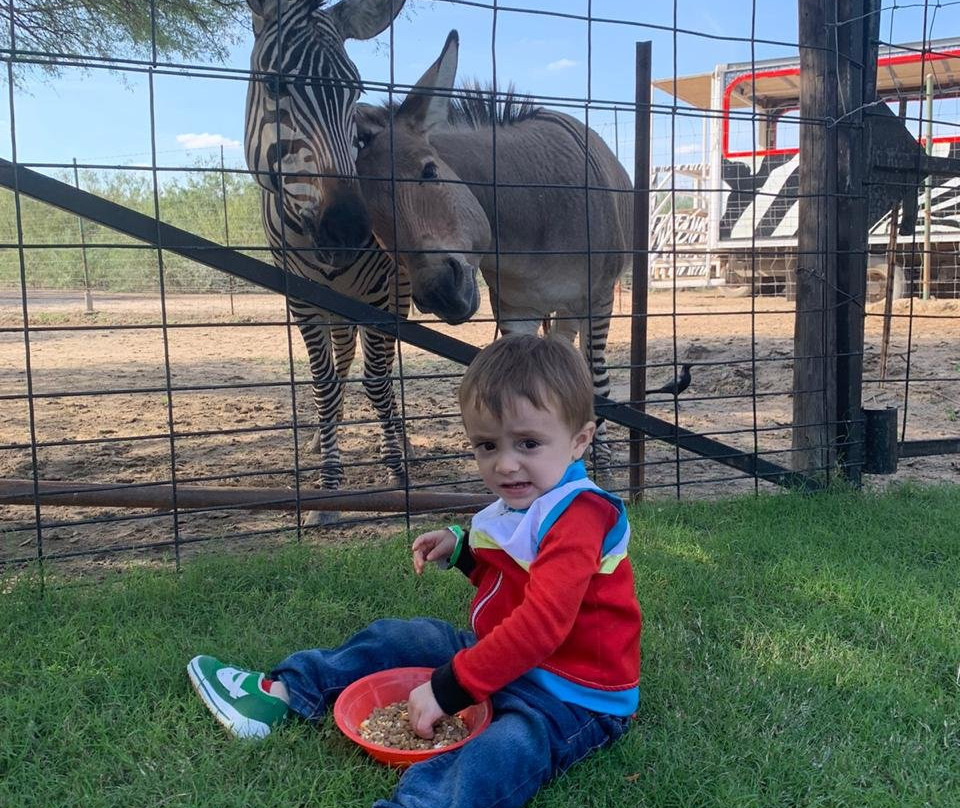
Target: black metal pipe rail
[
  {"x": 164, "y": 236},
  {"x": 926, "y": 448}
]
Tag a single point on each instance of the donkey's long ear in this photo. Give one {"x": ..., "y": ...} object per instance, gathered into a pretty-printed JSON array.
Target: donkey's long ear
[
  {"x": 364, "y": 19},
  {"x": 428, "y": 103}
]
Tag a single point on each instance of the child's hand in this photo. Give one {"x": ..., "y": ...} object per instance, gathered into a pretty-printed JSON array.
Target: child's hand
[
  {"x": 423, "y": 710},
  {"x": 436, "y": 546}
]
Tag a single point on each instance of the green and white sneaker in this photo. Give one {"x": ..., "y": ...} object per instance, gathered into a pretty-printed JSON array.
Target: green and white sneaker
[{"x": 236, "y": 697}]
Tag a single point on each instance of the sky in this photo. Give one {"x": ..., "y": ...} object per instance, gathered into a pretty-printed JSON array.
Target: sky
[{"x": 101, "y": 117}]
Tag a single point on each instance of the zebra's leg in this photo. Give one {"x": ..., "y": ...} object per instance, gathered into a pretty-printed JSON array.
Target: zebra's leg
[
  {"x": 344, "y": 348},
  {"x": 378, "y": 354},
  {"x": 327, "y": 393}
]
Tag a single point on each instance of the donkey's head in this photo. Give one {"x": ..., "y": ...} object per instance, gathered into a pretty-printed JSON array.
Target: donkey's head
[
  {"x": 300, "y": 127},
  {"x": 420, "y": 208}
]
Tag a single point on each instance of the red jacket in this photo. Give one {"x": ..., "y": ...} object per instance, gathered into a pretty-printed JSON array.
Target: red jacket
[{"x": 572, "y": 627}]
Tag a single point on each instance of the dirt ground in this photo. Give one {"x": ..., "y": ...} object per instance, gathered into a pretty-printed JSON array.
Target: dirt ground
[{"x": 90, "y": 393}]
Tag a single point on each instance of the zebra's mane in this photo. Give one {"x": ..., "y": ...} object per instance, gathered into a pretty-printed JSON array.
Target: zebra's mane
[{"x": 480, "y": 105}]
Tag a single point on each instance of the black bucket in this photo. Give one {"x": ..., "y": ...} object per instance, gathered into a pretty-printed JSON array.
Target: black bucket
[{"x": 880, "y": 441}]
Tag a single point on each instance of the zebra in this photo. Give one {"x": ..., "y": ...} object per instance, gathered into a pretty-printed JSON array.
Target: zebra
[{"x": 299, "y": 139}]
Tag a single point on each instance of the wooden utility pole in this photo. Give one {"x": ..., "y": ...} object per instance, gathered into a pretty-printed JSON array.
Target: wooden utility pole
[
  {"x": 814, "y": 335},
  {"x": 858, "y": 41},
  {"x": 838, "y": 54}
]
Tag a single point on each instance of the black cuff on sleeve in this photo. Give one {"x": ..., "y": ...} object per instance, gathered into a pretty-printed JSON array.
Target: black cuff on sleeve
[
  {"x": 465, "y": 563},
  {"x": 447, "y": 691}
]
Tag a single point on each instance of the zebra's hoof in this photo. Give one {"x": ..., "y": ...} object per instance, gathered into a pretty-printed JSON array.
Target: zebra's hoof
[
  {"x": 601, "y": 464},
  {"x": 316, "y": 443},
  {"x": 319, "y": 518}
]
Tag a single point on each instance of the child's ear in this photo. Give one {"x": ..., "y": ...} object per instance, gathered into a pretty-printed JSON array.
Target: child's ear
[{"x": 582, "y": 439}]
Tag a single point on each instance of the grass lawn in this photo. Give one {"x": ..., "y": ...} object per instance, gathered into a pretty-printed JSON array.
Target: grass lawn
[{"x": 798, "y": 651}]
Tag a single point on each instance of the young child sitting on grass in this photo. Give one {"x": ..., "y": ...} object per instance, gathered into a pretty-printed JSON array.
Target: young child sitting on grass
[{"x": 555, "y": 640}]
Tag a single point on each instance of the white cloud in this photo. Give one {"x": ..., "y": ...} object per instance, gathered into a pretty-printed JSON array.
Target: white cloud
[
  {"x": 206, "y": 141},
  {"x": 711, "y": 25},
  {"x": 561, "y": 64}
]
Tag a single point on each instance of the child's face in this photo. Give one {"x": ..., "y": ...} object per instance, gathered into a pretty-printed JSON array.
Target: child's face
[{"x": 525, "y": 454}]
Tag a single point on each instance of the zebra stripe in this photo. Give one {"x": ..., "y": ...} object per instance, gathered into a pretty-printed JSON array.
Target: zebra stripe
[{"x": 299, "y": 143}]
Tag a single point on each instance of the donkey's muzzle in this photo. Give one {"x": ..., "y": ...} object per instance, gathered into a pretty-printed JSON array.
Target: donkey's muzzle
[{"x": 454, "y": 295}]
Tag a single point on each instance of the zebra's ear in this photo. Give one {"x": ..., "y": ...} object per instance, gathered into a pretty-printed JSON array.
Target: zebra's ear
[
  {"x": 364, "y": 19},
  {"x": 428, "y": 103},
  {"x": 263, "y": 11},
  {"x": 263, "y": 8}
]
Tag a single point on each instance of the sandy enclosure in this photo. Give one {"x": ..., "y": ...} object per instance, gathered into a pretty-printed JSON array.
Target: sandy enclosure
[{"x": 100, "y": 409}]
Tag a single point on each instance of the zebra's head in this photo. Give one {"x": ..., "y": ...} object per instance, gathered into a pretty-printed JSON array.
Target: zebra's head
[{"x": 300, "y": 128}]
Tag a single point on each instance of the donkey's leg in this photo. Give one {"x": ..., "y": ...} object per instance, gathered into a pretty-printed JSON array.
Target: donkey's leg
[
  {"x": 566, "y": 326},
  {"x": 378, "y": 354},
  {"x": 327, "y": 391},
  {"x": 517, "y": 319}
]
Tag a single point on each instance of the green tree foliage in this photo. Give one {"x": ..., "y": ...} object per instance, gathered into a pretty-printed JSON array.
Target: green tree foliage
[
  {"x": 122, "y": 29},
  {"x": 61, "y": 251}
]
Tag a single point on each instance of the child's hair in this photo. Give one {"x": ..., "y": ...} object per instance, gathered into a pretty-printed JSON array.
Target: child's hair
[{"x": 546, "y": 371}]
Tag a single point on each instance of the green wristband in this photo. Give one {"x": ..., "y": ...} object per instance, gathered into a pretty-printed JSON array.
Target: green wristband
[{"x": 457, "y": 531}]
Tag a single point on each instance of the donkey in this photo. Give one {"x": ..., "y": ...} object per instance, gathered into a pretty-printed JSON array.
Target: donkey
[
  {"x": 535, "y": 193},
  {"x": 300, "y": 146}
]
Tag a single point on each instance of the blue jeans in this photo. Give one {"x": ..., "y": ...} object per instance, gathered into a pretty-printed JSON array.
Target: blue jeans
[{"x": 532, "y": 738}]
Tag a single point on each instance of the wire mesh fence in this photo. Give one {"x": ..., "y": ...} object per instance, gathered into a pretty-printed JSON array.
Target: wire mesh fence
[{"x": 128, "y": 364}]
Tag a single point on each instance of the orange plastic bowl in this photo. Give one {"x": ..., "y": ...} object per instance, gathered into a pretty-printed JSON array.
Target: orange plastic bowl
[{"x": 358, "y": 700}]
